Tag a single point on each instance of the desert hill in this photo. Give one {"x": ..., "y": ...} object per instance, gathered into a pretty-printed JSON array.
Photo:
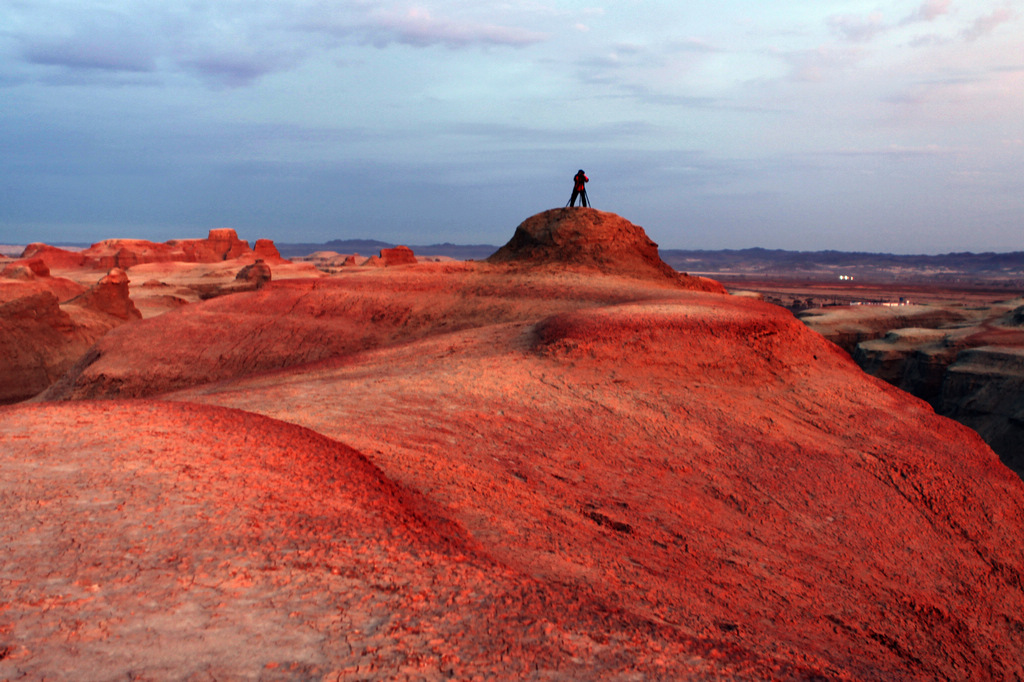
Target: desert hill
[
  {"x": 524, "y": 469},
  {"x": 202, "y": 543},
  {"x": 588, "y": 239}
]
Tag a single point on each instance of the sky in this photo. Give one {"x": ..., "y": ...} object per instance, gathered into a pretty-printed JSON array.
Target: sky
[{"x": 714, "y": 124}]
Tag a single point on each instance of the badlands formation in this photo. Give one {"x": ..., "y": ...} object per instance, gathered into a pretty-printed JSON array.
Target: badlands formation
[
  {"x": 966, "y": 361},
  {"x": 565, "y": 463}
]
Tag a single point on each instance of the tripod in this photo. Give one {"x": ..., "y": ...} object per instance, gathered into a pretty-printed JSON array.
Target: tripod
[{"x": 584, "y": 199}]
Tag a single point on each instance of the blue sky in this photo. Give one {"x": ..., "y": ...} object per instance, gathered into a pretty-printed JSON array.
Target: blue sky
[{"x": 809, "y": 124}]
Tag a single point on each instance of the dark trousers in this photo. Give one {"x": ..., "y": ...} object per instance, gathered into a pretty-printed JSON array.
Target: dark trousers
[{"x": 581, "y": 193}]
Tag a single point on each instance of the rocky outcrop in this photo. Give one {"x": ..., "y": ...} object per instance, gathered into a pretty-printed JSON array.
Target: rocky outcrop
[
  {"x": 26, "y": 268},
  {"x": 914, "y": 359},
  {"x": 984, "y": 389},
  {"x": 110, "y": 296},
  {"x": 847, "y": 326},
  {"x": 265, "y": 250},
  {"x": 55, "y": 257},
  {"x": 221, "y": 244},
  {"x": 400, "y": 255},
  {"x": 41, "y": 338},
  {"x": 38, "y": 342},
  {"x": 257, "y": 274},
  {"x": 38, "y": 307},
  {"x": 966, "y": 365},
  {"x": 585, "y": 238}
]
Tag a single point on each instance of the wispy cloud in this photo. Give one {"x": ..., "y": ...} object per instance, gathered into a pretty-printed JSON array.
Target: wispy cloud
[
  {"x": 231, "y": 69},
  {"x": 985, "y": 25},
  {"x": 83, "y": 53},
  {"x": 857, "y": 28},
  {"x": 900, "y": 150},
  {"x": 232, "y": 43},
  {"x": 420, "y": 28},
  {"x": 927, "y": 12}
]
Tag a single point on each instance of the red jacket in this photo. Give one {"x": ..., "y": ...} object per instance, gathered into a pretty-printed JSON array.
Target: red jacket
[{"x": 580, "y": 179}]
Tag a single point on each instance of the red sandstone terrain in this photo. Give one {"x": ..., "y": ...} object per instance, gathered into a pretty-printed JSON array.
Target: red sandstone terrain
[{"x": 562, "y": 465}]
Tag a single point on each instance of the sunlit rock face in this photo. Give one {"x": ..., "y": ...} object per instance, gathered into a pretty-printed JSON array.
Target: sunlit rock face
[
  {"x": 584, "y": 238},
  {"x": 222, "y": 244},
  {"x": 544, "y": 468},
  {"x": 41, "y": 338}
]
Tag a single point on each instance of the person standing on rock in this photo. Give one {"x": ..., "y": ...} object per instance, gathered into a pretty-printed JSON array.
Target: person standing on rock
[{"x": 579, "y": 189}]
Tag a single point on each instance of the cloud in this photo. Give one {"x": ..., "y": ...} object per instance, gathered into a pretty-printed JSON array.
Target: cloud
[
  {"x": 855, "y": 28},
  {"x": 985, "y": 25},
  {"x": 413, "y": 26},
  {"x": 230, "y": 42},
  {"x": 77, "y": 53},
  {"x": 230, "y": 69},
  {"x": 900, "y": 151},
  {"x": 929, "y": 11},
  {"x": 419, "y": 28}
]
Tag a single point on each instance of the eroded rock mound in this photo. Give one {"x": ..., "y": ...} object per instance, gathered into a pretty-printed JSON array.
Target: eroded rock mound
[
  {"x": 26, "y": 268},
  {"x": 40, "y": 341},
  {"x": 55, "y": 257},
  {"x": 265, "y": 250},
  {"x": 301, "y": 321},
  {"x": 399, "y": 255},
  {"x": 590, "y": 239},
  {"x": 257, "y": 274},
  {"x": 221, "y": 244},
  {"x": 110, "y": 296}
]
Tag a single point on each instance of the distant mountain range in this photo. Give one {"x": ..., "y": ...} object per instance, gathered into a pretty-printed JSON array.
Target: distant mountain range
[
  {"x": 1007, "y": 269},
  {"x": 368, "y": 247},
  {"x": 775, "y": 263}
]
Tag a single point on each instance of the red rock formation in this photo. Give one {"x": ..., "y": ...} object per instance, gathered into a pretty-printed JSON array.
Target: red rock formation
[
  {"x": 681, "y": 484},
  {"x": 14, "y": 288},
  {"x": 38, "y": 343},
  {"x": 25, "y": 269},
  {"x": 55, "y": 257},
  {"x": 265, "y": 250},
  {"x": 110, "y": 296},
  {"x": 400, "y": 255},
  {"x": 40, "y": 340},
  {"x": 590, "y": 239},
  {"x": 222, "y": 244},
  {"x": 126, "y": 253},
  {"x": 256, "y": 274}
]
